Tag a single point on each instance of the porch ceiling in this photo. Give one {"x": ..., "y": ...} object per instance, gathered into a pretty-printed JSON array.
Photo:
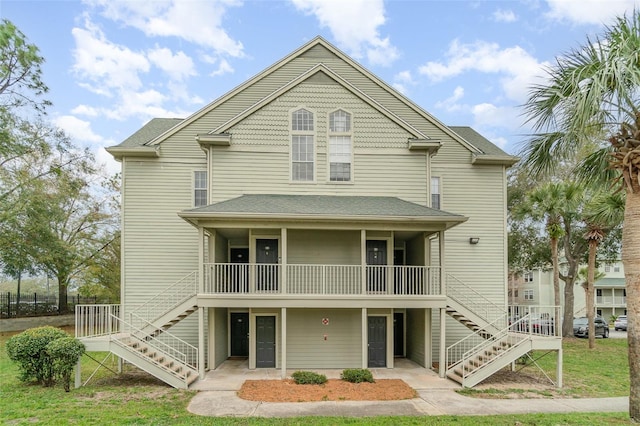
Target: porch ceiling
[{"x": 323, "y": 209}]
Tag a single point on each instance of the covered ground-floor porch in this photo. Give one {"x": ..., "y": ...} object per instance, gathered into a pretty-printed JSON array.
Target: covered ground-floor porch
[
  {"x": 232, "y": 373},
  {"x": 285, "y": 338}
]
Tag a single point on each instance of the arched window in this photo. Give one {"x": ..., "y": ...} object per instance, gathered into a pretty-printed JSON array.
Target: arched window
[{"x": 340, "y": 151}]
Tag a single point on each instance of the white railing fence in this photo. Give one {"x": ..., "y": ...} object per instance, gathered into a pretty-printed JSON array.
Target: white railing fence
[
  {"x": 167, "y": 299},
  {"x": 97, "y": 320},
  {"x": 477, "y": 303},
  {"x": 540, "y": 320},
  {"x": 228, "y": 278}
]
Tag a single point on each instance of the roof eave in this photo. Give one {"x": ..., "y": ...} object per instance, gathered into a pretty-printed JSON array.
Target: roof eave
[
  {"x": 430, "y": 145},
  {"x": 219, "y": 139},
  {"x": 495, "y": 160},
  {"x": 119, "y": 152}
]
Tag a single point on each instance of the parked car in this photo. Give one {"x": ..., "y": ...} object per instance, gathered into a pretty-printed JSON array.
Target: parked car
[
  {"x": 581, "y": 327},
  {"x": 620, "y": 323}
]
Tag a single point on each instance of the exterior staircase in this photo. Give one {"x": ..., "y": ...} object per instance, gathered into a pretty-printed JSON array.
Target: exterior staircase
[
  {"x": 143, "y": 339},
  {"x": 495, "y": 342}
]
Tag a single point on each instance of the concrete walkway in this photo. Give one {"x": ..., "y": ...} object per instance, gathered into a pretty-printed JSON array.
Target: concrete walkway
[{"x": 436, "y": 396}]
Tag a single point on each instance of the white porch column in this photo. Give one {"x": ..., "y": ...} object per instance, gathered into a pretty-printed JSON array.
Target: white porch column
[
  {"x": 363, "y": 260},
  {"x": 443, "y": 275},
  {"x": 211, "y": 326},
  {"x": 559, "y": 368},
  {"x": 200, "y": 259},
  {"x": 283, "y": 341},
  {"x": 285, "y": 273},
  {"x": 428, "y": 339},
  {"x": 442, "y": 362},
  {"x": 78, "y": 376},
  {"x": 201, "y": 360},
  {"x": 365, "y": 341}
]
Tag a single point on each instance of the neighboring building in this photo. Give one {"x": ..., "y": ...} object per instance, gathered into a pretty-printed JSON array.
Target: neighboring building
[
  {"x": 535, "y": 287},
  {"x": 312, "y": 217}
]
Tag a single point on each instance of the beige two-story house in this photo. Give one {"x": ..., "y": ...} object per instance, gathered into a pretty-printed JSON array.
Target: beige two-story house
[{"x": 312, "y": 217}]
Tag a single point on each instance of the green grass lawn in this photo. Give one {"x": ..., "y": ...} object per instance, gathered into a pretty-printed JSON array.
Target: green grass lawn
[{"x": 140, "y": 400}]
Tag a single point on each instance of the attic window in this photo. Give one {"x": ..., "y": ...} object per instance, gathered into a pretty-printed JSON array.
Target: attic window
[{"x": 302, "y": 146}]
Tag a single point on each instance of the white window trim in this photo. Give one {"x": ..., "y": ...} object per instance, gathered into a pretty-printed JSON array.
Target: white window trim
[
  {"x": 350, "y": 135},
  {"x": 431, "y": 191},
  {"x": 313, "y": 133},
  {"x": 193, "y": 187}
]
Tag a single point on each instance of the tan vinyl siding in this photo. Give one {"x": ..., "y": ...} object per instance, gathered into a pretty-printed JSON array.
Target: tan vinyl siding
[
  {"x": 324, "y": 247},
  {"x": 415, "y": 335},
  {"x": 258, "y": 160},
  {"x": 159, "y": 246},
  {"x": 307, "y": 347},
  {"x": 222, "y": 335}
]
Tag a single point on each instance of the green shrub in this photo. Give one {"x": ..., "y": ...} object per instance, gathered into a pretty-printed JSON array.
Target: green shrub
[
  {"x": 65, "y": 353},
  {"x": 357, "y": 375},
  {"x": 308, "y": 378},
  {"x": 28, "y": 350}
]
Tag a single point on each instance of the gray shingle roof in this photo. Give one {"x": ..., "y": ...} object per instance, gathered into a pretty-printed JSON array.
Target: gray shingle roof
[
  {"x": 154, "y": 128},
  {"x": 324, "y": 205},
  {"x": 477, "y": 140}
]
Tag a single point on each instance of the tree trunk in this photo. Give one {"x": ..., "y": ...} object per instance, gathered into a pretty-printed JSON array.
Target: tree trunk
[
  {"x": 556, "y": 271},
  {"x": 62, "y": 295},
  {"x": 18, "y": 294},
  {"x": 591, "y": 269},
  {"x": 569, "y": 297},
  {"x": 631, "y": 262}
]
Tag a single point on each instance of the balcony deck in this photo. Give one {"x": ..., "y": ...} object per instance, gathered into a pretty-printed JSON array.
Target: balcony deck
[{"x": 229, "y": 284}]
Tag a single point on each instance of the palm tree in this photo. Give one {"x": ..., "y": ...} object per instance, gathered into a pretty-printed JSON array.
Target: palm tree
[
  {"x": 553, "y": 202},
  {"x": 593, "y": 90},
  {"x": 603, "y": 212}
]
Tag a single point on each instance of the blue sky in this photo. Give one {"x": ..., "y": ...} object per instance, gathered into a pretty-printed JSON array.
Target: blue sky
[{"x": 113, "y": 65}]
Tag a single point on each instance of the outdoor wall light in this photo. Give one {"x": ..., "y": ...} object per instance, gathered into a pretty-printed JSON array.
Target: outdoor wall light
[{"x": 474, "y": 240}]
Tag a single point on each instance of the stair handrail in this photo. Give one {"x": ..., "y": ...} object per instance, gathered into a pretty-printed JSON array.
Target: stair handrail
[
  {"x": 476, "y": 336},
  {"x": 172, "y": 296},
  {"x": 514, "y": 339},
  {"x": 474, "y": 301},
  {"x": 175, "y": 349}
]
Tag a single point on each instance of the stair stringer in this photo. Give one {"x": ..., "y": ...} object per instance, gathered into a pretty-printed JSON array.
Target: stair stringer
[
  {"x": 493, "y": 365},
  {"x": 171, "y": 317},
  {"x": 180, "y": 380},
  {"x": 475, "y": 323}
]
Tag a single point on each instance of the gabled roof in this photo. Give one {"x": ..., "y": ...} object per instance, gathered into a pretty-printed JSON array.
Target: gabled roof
[
  {"x": 320, "y": 68},
  {"x": 134, "y": 144},
  {"x": 311, "y": 44},
  {"x": 489, "y": 152},
  {"x": 324, "y": 207}
]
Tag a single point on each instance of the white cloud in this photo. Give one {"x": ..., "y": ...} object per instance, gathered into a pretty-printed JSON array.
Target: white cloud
[
  {"x": 178, "y": 66},
  {"x": 78, "y": 130},
  {"x": 223, "y": 68},
  {"x": 517, "y": 67},
  {"x": 198, "y": 22},
  {"x": 489, "y": 115},
  {"x": 589, "y": 11},
  {"x": 85, "y": 110},
  {"x": 504, "y": 16},
  {"x": 354, "y": 24},
  {"x": 451, "y": 103},
  {"x": 103, "y": 64}
]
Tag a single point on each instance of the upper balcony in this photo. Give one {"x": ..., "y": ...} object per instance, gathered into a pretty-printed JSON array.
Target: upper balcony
[{"x": 270, "y": 281}]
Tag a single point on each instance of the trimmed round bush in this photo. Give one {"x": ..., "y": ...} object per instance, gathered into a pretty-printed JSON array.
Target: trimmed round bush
[
  {"x": 357, "y": 375},
  {"x": 65, "y": 353},
  {"x": 28, "y": 350},
  {"x": 308, "y": 378}
]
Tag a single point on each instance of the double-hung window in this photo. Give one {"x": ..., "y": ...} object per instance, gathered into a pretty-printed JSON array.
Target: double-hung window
[
  {"x": 528, "y": 295},
  {"x": 302, "y": 146},
  {"x": 340, "y": 146},
  {"x": 199, "y": 188},
  {"x": 435, "y": 193}
]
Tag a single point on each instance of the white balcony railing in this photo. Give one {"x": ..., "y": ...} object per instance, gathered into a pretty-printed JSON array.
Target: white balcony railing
[
  {"x": 297, "y": 279},
  {"x": 611, "y": 300}
]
